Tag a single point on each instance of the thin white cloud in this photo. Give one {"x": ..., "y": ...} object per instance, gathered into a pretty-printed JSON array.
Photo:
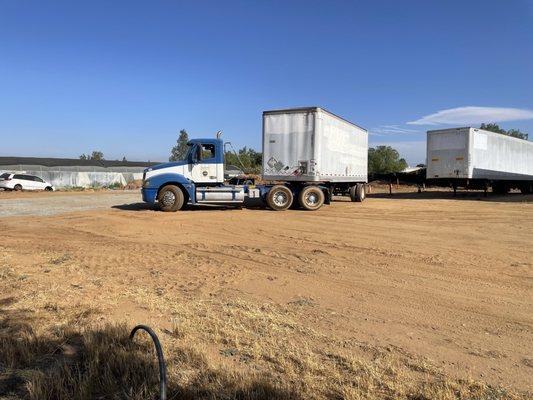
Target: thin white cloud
[
  {"x": 474, "y": 115},
  {"x": 387, "y": 130}
]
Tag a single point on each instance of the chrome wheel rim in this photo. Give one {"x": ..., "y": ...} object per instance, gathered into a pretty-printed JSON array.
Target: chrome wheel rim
[
  {"x": 280, "y": 198},
  {"x": 311, "y": 199},
  {"x": 168, "y": 199}
]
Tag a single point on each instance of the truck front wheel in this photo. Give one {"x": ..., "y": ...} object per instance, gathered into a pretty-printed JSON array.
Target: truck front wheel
[
  {"x": 279, "y": 198},
  {"x": 170, "y": 198},
  {"x": 311, "y": 198}
]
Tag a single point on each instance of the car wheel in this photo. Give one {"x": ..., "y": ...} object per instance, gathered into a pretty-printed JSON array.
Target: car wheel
[
  {"x": 49, "y": 188},
  {"x": 18, "y": 187}
]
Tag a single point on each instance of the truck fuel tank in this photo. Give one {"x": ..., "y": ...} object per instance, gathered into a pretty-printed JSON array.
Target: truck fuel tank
[{"x": 220, "y": 194}]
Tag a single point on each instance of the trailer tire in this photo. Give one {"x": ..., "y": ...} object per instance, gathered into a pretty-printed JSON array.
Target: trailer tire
[
  {"x": 279, "y": 198},
  {"x": 170, "y": 198},
  {"x": 357, "y": 192},
  {"x": 311, "y": 198}
]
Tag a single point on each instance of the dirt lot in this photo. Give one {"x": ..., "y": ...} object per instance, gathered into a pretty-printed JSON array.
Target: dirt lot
[{"x": 414, "y": 296}]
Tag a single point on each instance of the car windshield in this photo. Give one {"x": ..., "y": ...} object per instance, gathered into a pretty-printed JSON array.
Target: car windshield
[{"x": 4, "y": 176}]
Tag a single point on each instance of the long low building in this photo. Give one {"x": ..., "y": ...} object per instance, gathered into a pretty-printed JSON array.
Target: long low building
[{"x": 68, "y": 172}]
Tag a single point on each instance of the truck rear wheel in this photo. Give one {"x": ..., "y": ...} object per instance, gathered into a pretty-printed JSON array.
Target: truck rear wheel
[
  {"x": 170, "y": 198},
  {"x": 279, "y": 198},
  {"x": 357, "y": 192},
  {"x": 311, "y": 198}
]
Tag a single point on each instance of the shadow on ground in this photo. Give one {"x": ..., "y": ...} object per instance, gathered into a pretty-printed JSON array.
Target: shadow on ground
[
  {"x": 81, "y": 362},
  {"x": 134, "y": 207},
  {"x": 461, "y": 195},
  {"x": 252, "y": 204}
]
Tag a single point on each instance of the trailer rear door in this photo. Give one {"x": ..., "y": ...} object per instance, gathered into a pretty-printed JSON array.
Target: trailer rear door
[{"x": 447, "y": 153}]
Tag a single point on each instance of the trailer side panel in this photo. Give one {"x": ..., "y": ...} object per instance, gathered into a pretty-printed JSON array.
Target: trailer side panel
[
  {"x": 313, "y": 145},
  {"x": 499, "y": 157}
]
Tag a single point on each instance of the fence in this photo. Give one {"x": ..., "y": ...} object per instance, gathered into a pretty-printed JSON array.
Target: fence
[{"x": 78, "y": 176}]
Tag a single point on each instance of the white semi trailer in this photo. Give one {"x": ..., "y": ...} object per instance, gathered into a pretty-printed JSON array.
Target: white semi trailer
[
  {"x": 312, "y": 145},
  {"x": 476, "y": 158}
]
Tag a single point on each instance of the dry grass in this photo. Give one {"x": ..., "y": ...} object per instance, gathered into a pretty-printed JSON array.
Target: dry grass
[
  {"x": 59, "y": 340},
  {"x": 262, "y": 354}
]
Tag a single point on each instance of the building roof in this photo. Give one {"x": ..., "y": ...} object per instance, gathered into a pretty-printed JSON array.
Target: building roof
[{"x": 72, "y": 162}]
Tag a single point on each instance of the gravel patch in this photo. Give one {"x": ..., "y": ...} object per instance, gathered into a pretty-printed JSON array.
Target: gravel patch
[{"x": 59, "y": 204}]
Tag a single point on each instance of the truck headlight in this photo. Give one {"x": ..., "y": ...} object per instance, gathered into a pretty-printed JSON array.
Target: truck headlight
[{"x": 146, "y": 183}]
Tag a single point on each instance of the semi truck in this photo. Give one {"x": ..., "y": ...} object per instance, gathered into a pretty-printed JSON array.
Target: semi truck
[
  {"x": 479, "y": 159},
  {"x": 309, "y": 154}
]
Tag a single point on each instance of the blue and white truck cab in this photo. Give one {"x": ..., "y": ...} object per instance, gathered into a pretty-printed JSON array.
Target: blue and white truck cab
[
  {"x": 309, "y": 154},
  {"x": 198, "y": 179}
]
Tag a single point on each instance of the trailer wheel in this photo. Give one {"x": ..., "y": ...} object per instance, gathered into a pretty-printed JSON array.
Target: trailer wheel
[
  {"x": 357, "y": 192},
  {"x": 279, "y": 198},
  {"x": 170, "y": 198},
  {"x": 311, "y": 198}
]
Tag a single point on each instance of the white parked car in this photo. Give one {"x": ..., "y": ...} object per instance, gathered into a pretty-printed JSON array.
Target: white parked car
[{"x": 23, "y": 182}]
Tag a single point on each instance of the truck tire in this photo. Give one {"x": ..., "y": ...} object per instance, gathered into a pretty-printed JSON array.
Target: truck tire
[
  {"x": 279, "y": 198},
  {"x": 357, "y": 192},
  {"x": 311, "y": 198},
  {"x": 170, "y": 198}
]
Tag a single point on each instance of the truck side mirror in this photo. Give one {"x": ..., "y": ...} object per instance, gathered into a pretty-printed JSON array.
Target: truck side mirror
[
  {"x": 196, "y": 154},
  {"x": 192, "y": 155}
]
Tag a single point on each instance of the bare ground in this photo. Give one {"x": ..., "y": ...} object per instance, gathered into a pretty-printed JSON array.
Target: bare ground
[{"x": 414, "y": 296}]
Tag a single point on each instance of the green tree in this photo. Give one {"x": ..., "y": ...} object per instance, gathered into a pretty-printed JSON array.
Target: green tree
[
  {"x": 511, "y": 132},
  {"x": 97, "y": 155},
  {"x": 251, "y": 160},
  {"x": 179, "y": 151},
  {"x": 384, "y": 160}
]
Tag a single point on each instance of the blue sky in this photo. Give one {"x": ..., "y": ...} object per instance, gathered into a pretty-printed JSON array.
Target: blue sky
[{"x": 125, "y": 76}]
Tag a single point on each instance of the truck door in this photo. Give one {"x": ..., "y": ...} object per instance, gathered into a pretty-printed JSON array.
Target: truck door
[{"x": 205, "y": 169}]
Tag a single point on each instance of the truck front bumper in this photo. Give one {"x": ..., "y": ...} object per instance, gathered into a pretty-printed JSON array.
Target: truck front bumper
[{"x": 149, "y": 195}]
